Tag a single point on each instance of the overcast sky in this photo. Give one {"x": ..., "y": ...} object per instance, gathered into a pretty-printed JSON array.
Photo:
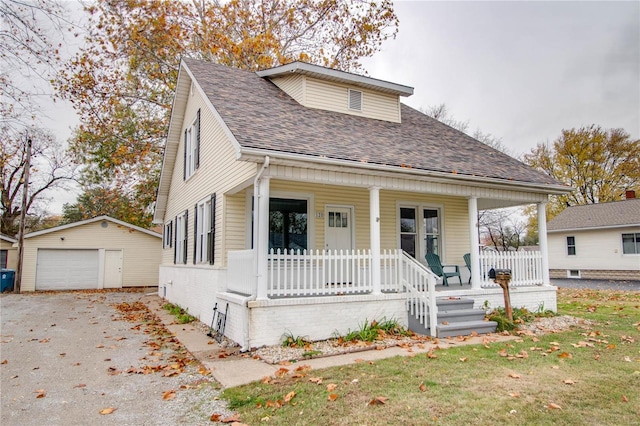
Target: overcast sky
[{"x": 520, "y": 70}]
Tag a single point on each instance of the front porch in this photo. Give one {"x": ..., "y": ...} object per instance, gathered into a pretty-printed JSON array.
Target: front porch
[{"x": 318, "y": 294}]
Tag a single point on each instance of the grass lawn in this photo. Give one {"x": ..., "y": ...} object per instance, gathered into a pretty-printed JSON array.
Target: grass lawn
[{"x": 578, "y": 377}]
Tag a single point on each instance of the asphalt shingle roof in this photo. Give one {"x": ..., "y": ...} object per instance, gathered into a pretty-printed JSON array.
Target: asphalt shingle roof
[
  {"x": 261, "y": 116},
  {"x": 616, "y": 213}
]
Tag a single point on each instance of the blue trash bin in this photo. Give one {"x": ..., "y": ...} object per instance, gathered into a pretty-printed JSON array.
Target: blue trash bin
[{"x": 7, "y": 278}]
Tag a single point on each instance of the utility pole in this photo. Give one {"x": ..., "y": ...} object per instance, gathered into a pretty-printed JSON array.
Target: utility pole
[{"x": 23, "y": 214}]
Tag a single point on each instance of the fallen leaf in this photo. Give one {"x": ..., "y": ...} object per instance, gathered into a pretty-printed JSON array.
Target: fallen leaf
[
  {"x": 568, "y": 382},
  {"x": 464, "y": 359},
  {"x": 281, "y": 372},
  {"x": 4, "y": 361},
  {"x": 215, "y": 417},
  {"x": 107, "y": 410},
  {"x": 565, "y": 355},
  {"x": 331, "y": 387},
  {"x": 625, "y": 399},
  {"x": 233, "y": 418},
  {"x": 554, "y": 406},
  {"x": 422, "y": 387},
  {"x": 514, "y": 394},
  {"x": 169, "y": 395},
  {"x": 332, "y": 396},
  {"x": 378, "y": 400},
  {"x": 40, "y": 393},
  {"x": 80, "y": 385},
  {"x": 288, "y": 397},
  {"x": 514, "y": 375}
]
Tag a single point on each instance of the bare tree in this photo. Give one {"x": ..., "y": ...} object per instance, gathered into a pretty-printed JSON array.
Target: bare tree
[
  {"x": 441, "y": 113},
  {"x": 51, "y": 167},
  {"x": 502, "y": 228}
]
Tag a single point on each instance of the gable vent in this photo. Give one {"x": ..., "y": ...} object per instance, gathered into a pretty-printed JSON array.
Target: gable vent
[{"x": 355, "y": 100}]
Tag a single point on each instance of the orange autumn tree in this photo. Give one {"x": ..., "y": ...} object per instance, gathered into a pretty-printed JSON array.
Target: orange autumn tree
[{"x": 122, "y": 82}]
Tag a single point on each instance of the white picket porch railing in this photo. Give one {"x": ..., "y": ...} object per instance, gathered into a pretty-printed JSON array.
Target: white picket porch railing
[
  {"x": 342, "y": 272},
  {"x": 525, "y": 266},
  {"x": 420, "y": 285}
]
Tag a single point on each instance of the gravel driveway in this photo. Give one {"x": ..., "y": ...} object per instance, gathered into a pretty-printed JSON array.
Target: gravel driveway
[
  {"x": 65, "y": 357},
  {"x": 598, "y": 284}
]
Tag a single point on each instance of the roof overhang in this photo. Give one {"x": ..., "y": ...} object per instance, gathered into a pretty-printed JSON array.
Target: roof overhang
[
  {"x": 329, "y": 74},
  {"x": 258, "y": 155},
  {"x": 593, "y": 228},
  {"x": 88, "y": 221}
]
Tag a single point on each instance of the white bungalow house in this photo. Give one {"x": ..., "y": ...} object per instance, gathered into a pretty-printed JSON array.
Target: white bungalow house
[
  {"x": 305, "y": 199},
  {"x": 596, "y": 241}
]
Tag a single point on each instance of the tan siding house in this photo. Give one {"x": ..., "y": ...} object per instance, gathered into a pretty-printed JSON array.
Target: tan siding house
[
  {"x": 306, "y": 200},
  {"x": 102, "y": 252},
  {"x": 8, "y": 252}
]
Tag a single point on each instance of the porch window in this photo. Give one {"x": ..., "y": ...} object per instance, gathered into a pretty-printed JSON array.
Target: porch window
[
  {"x": 571, "y": 246},
  {"x": 288, "y": 224},
  {"x": 631, "y": 243},
  {"x": 431, "y": 231},
  {"x": 408, "y": 230},
  {"x": 204, "y": 233}
]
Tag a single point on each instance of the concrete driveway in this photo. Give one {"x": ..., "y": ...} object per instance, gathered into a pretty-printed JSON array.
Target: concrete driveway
[{"x": 65, "y": 357}]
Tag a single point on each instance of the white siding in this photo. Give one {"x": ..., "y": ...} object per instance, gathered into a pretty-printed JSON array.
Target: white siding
[
  {"x": 141, "y": 252},
  {"x": 218, "y": 172},
  {"x": 595, "y": 249},
  {"x": 334, "y": 97},
  {"x": 293, "y": 86}
]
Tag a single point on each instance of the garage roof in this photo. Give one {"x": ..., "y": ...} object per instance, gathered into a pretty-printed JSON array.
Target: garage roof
[{"x": 87, "y": 221}]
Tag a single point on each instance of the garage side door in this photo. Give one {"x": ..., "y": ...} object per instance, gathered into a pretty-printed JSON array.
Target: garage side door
[{"x": 59, "y": 269}]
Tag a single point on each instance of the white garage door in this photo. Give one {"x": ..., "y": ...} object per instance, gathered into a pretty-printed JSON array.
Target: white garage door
[{"x": 66, "y": 269}]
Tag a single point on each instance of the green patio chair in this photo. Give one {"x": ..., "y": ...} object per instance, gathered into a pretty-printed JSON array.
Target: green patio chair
[
  {"x": 467, "y": 261},
  {"x": 433, "y": 260}
]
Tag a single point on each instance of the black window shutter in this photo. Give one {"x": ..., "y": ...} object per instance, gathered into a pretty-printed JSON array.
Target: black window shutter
[
  {"x": 211, "y": 253},
  {"x": 175, "y": 245},
  {"x": 195, "y": 233},
  {"x": 197, "y": 153},
  {"x": 184, "y": 169},
  {"x": 186, "y": 236},
  {"x": 170, "y": 234}
]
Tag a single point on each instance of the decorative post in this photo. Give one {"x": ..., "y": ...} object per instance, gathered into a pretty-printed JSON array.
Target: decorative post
[
  {"x": 542, "y": 240},
  {"x": 263, "y": 237},
  {"x": 475, "y": 243},
  {"x": 374, "y": 223}
]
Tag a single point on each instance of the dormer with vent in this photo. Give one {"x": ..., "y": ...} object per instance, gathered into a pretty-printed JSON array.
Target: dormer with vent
[{"x": 323, "y": 88}]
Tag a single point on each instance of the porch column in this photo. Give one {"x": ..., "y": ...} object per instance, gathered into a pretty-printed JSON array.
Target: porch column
[
  {"x": 475, "y": 242},
  {"x": 374, "y": 223},
  {"x": 262, "y": 214},
  {"x": 542, "y": 239}
]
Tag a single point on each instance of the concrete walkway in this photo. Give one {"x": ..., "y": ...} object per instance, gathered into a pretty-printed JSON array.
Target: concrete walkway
[{"x": 239, "y": 369}]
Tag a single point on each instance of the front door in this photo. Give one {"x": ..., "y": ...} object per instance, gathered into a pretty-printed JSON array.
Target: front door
[
  {"x": 112, "y": 268},
  {"x": 339, "y": 236},
  {"x": 339, "y": 228}
]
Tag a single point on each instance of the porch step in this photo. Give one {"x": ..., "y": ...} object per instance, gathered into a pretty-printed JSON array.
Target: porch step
[
  {"x": 465, "y": 328},
  {"x": 456, "y": 317}
]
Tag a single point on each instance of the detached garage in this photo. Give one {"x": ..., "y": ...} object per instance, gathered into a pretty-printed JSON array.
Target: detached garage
[{"x": 102, "y": 252}]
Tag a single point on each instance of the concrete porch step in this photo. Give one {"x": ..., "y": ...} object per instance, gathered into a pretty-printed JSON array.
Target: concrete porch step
[
  {"x": 460, "y": 315},
  {"x": 465, "y": 328},
  {"x": 457, "y": 303}
]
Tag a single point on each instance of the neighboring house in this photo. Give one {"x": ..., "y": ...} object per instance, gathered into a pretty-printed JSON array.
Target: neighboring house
[
  {"x": 306, "y": 198},
  {"x": 8, "y": 252},
  {"x": 598, "y": 241},
  {"x": 97, "y": 253}
]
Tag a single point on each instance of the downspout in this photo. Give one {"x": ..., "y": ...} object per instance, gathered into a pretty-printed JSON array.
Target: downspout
[{"x": 256, "y": 200}]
